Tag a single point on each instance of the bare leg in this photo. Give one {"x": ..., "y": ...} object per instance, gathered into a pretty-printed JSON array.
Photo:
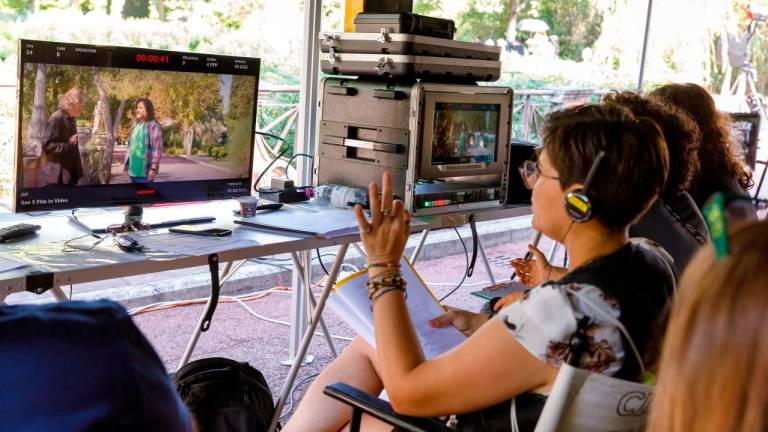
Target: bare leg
[{"x": 355, "y": 366}]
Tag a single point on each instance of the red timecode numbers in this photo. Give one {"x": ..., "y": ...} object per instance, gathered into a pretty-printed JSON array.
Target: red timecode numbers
[{"x": 153, "y": 58}]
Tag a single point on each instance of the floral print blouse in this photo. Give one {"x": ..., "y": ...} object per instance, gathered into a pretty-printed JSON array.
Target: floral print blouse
[{"x": 546, "y": 317}]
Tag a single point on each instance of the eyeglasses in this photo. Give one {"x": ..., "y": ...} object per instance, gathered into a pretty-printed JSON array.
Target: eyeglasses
[{"x": 530, "y": 172}]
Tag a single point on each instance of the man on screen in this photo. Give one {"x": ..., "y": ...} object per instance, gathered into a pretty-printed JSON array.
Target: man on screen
[
  {"x": 60, "y": 161},
  {"x": 145, "y": 145}
]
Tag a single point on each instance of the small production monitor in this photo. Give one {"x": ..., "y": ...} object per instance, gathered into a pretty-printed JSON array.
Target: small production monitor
[
  {"x": 102, "y": 126},
  {"x": 464, "y": 134}
]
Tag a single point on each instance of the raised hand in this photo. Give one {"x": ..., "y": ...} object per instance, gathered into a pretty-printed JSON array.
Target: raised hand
[{"x": 384, "y": 237}]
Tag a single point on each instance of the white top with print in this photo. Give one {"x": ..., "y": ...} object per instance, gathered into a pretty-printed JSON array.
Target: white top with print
[{"x": 546, "y": 317}]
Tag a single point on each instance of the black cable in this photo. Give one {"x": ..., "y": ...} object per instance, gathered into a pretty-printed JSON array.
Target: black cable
[
  {"x": 272, "y": 162},
  {"x": 466, "y": 257},
  {"x": 320, "y": 260},
  {"x": 264, "y": 171},
  {"x": 475, "y": 244},
  {"x": 266, "y": 262},
  {"x": 295, "y": 155}
]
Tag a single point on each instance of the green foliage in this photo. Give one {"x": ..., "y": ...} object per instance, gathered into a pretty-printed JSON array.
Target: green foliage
[
  {"x": 170, "y": 151},
  {"x": 577, "y": 23},
  {"x": 217, "y": 152},
  {"x": 484, "y": 19},
  {"x": 427, "y": 7},
  {"x": 18, "y": 7}
]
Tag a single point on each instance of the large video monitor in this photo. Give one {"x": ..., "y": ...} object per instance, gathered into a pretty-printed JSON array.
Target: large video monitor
[
  {"x": 102, "y": 126},
  {"x": 464, "y": 134}
]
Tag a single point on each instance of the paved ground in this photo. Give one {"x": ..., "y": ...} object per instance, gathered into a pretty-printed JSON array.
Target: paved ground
[
  {"x": 173, "y": 168},
  {"x": 236, "y": 334}
]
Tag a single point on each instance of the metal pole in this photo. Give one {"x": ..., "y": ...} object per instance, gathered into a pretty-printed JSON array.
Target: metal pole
[
  {"x": 307, "y": 124},
  {"x": 313, "y": 305},
  {"x": 308, "y": 335},
  {"x": 645, "y": 47},
  {"x": 305, "y": 136},
  {"x": 417, "y": 251}
]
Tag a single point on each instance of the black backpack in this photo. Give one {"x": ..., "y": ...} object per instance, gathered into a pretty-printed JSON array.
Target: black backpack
[{"x": 225, "y": 396}]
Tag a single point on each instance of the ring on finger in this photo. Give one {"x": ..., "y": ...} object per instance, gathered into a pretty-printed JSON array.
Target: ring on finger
[
  {"x": 366, "y": 230},
  {"x": 386, "y": 212}
]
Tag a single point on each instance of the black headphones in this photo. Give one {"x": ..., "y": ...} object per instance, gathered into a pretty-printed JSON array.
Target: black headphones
[{"x": 578, "y": 205}]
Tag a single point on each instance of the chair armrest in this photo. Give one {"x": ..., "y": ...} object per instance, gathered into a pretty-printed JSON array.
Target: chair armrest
[{"x": 382, "y": 410}]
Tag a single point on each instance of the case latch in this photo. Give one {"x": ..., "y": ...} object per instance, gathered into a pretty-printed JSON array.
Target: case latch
[
  {"x": 384, "y": 66},
  {"x": 383, "y": 36}
]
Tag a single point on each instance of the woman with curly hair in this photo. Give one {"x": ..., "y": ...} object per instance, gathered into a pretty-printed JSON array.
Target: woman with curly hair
[
  {"x": 673, "y": 221},
  {"x": 721, "y": 169}
]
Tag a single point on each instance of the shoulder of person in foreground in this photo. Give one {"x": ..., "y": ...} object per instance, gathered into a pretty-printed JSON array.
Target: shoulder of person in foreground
[{"x": 82, "y": 365}]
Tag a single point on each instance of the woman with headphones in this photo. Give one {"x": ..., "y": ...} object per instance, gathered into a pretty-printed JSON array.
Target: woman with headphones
[{"x": 599, "y": 170}]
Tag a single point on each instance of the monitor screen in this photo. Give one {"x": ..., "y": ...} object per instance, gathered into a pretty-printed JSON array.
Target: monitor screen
[
  {"x": 102, "y": 126},
  {"x": 465, "y": 133}
]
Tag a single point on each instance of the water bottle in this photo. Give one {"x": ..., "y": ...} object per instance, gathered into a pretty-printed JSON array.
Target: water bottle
[{"x": 338, "y": 196}]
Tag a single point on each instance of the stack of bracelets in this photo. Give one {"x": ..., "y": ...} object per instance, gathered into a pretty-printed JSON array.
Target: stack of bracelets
[{"x": 379, "y": 286}]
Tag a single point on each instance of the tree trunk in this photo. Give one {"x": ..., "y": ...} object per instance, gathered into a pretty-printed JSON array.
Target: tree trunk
[
  {"x": 96, "y": 119},
  {"x": 161, "y": 10},
  {"x": 118, "y": 117},
  {"x": 105, "y": 167},
  {"x": 39, "y": 114},
  {"x": 515, "y": 7},
  {"x": 189, "y": 137}
]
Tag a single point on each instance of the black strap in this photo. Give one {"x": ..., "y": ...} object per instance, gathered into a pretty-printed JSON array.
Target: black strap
[
  {"x": 475, "y": 240},
  {"x": 213, "y": 265},
  {"x": 578, "y": 343}
]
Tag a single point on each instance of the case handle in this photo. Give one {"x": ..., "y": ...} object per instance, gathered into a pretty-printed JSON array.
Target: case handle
[
  {"x": 372, "y": 145},
  {"x": 388, "y": 94},
  {"x": 342, "y": 91}
]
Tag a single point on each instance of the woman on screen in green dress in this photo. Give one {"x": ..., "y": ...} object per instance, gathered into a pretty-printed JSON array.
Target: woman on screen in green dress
[{"x": 145, "y": 145}]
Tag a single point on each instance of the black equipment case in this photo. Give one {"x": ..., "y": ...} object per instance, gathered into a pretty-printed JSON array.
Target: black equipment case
[
  {"x": 405, "y": 44},
  {"x": 404, "y": 22},
  {"x": 411, "y": 66}
]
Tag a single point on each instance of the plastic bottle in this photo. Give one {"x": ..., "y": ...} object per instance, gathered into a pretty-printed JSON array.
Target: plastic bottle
[{"x": 339, "y": 196}]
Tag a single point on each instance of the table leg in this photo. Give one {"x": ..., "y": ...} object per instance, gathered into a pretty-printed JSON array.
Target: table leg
[
  {"x": 299, "y": 312},
  {"x": 59, "y": 293},
  {"x": 417, "y": 251},
  {"x": 485, "y": 261},
  {"x": 359, "y": 249},
  {"x": 308, "y": 334},
  {"x": 313, "y": 304}
]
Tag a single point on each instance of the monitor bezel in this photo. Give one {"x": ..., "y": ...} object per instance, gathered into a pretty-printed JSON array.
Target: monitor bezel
[
  {"x": 431, "y": 99},
  {"x": 141, "y": 194}
]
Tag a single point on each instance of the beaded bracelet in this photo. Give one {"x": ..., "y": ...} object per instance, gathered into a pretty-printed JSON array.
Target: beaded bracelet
[
  {"x": 384, "y": 264},
  {"x": 374, "y": 285},
  {"x": 385, "y": 290}
]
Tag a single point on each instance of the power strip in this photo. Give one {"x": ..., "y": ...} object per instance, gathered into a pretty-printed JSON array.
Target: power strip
[{"x": 283, "y": 196}]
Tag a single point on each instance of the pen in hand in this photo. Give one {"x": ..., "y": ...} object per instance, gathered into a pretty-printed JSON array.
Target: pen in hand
[{"x": 529, "y": 254}]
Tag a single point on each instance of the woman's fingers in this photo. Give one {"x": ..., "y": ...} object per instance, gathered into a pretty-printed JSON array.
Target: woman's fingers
[
  {"x": 443, "y": 320},
  {"x": 362, "y": 222},
  {"x": 386, "y": 192},
  {"x": 539, "y": 255},
  {"x": 375, "y": 201}
]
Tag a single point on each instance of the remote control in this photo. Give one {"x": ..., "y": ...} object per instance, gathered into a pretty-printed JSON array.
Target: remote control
[{"x": 18, "y": 230}]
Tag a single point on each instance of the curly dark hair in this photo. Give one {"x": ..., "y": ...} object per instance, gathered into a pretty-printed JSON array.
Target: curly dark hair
[
  {"x": 633, "y": 171},
  {"x": 148, "y": 106},
  {"x": 680, "y": 133},
  {"x": 717, "y": 154}
]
